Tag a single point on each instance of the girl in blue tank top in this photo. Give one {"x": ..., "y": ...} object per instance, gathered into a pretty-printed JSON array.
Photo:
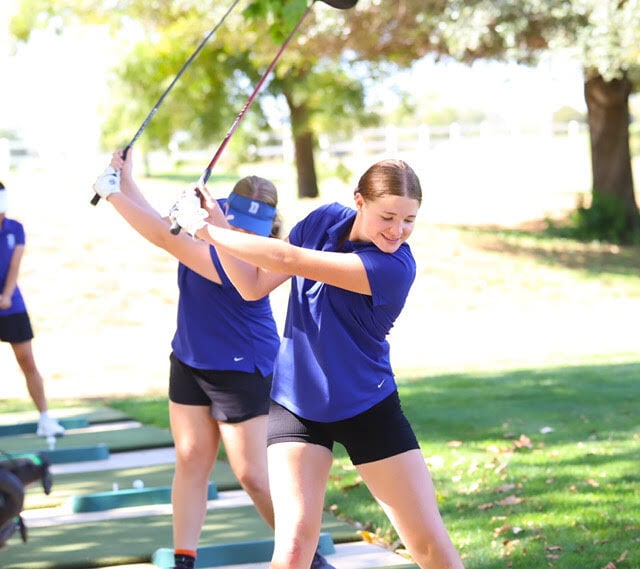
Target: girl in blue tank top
[{"x": 222, "y": 358}]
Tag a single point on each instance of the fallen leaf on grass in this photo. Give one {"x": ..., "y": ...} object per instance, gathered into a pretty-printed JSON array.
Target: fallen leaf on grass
[
  {"x": 486, "y": 506},
  {"x": 592, "y": 482},
  {"x": 455, "y": 443},
  {"x": 504, "y": 488},
  {"x": 623, "y": 557},
  {"x": 356, "y": 483},
  {"x": 554, "y": 548},
  {"x": 502, "y": 529},
  {"x": 609, "y": 565},
  {"x": 523, "y": 441},
  {"x": 368, "y": 536},
  {"x": 509, "y": 501}
]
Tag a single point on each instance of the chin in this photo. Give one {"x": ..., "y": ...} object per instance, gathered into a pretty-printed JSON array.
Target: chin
[{"x": 388, "y": 247}]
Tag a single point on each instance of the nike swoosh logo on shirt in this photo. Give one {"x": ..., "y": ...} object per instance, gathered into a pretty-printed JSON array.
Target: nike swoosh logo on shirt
[
  {"x": 237, "y": 359},
  {"x": 380, "y": 384}
]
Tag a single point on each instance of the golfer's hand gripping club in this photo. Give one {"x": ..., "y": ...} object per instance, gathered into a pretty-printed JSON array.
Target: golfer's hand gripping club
[
  {"x": 187, "y": 213},
  {"x": 107, "y": 183}
]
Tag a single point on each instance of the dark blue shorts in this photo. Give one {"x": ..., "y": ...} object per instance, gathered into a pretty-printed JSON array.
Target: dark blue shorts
[
  {"x": 15, "y": 328},
  {"x": 379, "y": 432},
  {"x": 233, "y": 396}
]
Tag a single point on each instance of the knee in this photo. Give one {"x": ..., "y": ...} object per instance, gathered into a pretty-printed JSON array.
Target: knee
[
  {"x": 190, "y": 456},
  {"x": 253, "y": 482}
]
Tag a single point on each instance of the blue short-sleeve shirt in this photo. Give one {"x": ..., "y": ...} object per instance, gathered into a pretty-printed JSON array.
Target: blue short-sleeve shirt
[
  {"x": 11, "y": 235},
  {"x": 334, "y": 359},
  {"x": 218, "y": 330}
]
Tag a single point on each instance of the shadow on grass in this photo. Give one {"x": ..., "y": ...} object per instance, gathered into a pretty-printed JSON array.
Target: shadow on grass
[
  {"x": 592, "y": 258},
  {"x": 579, "y": 403}
]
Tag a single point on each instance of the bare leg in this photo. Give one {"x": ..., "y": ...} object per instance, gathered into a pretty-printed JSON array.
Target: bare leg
[
  {"x": 35, "y": 384},
  {"x": 246, "y": 446},
  {"x": 298, "y": 474},
  {"x": 197, "y": 440},
  {"x": 403, "y": 487}
]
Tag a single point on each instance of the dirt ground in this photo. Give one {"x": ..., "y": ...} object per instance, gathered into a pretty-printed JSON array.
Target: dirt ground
[{"x": 102, "y": 300}]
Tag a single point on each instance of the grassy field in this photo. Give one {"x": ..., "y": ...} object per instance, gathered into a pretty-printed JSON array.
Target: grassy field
[{"x": 516, "y": 356}]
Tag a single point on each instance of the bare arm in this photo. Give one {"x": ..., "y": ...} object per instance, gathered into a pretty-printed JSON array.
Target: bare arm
[
  {"x": 276, "y": 260},
  {"x": 134, "y": 208},
  {"x": 11, "y": 281}
]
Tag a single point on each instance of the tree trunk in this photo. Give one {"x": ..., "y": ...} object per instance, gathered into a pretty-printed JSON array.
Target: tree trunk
[
  {"x": 608, "y": 115},
  {"x": 305, "y": 165},
  {"x": 303, "y": 143}
]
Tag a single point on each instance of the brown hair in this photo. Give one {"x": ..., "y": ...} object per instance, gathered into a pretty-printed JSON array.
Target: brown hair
[
  {"x": 262, "y": 190},
  {"x": 389, "y": 178}
]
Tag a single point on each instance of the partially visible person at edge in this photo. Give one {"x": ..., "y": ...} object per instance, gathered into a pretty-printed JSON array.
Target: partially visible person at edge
[
  {"x": 222, "y": 355},
  {"x": 350, "y": 271},
  {"x": 15, "y": 325}
]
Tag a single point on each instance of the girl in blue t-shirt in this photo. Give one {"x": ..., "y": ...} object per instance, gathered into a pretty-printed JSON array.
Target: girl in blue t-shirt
[
  {"x": 15, "y": 324},
  {"x": 222, "y": 356},
  {"x": 350, "y": 272}
]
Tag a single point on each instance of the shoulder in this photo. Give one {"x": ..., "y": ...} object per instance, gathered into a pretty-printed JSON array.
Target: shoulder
[
  {"x": 391, "y": 275},
  {"x": 13, "y": 226},
  {"x": 11, "y": 223},
  {"x": 322, "y": 218}
]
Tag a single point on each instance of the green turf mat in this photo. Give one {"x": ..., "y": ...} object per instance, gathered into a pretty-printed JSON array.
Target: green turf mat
[
  {"x": 30, "y": 427},
  {"x": 92, "y": 414},
  {"x": 117, "y": 440},
  {"x": 134, "y": 540},
  {"x": 65, "y": 486},
  {"x": 254, "y": 551}
]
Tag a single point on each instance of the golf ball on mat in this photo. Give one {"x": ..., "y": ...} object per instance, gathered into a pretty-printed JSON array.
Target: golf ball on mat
[{"x": 138, "y": 484}]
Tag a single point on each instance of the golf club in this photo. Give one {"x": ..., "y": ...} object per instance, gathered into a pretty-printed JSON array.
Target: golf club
[
  {"x": 340, "y": 5},
  {"x": 96, "y": 197}
]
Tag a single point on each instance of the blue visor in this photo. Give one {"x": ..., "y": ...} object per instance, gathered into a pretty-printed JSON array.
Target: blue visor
[{"x": 250, "y": 215}]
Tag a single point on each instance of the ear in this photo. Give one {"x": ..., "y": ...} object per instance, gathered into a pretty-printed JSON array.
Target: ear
[{"x": 358, "y": 200}]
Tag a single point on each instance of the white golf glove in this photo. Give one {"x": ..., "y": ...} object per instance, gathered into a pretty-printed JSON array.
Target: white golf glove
[
  {"x": 187, "y": 213},
  {"x": 107, "y": 183}
]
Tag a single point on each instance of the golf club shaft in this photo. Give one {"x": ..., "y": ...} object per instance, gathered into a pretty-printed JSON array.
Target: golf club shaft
[
  {"x": 175, "y": 228},
  {"x": 96, "y": 197}
]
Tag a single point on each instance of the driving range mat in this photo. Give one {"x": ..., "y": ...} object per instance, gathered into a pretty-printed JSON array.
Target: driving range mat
[
  {"x": 66, "y": 486},
  {"x": 116, "y": 440},
  {"x": 134, "y": 540},
  {"x": 93, "y": 415}
]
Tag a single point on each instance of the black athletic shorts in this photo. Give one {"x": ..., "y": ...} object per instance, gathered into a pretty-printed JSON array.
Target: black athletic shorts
[
  {"x": 379, "y": 432},
  {"x": 233, "y": 396},
  {"x": 15, "y": 328}
]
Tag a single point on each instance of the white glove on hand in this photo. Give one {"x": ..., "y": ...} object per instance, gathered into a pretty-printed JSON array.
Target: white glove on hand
[
  {"x": 188, "y": 214},
  {"x": 107, "y": 183}
]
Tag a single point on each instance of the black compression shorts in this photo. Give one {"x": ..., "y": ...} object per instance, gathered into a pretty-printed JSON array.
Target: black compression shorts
[
  {"x": 379, "y": 432},
  {"x": 15, "y": 328},
  {"x": 233, "y": 396}
]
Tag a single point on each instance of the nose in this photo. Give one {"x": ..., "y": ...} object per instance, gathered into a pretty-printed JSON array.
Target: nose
[{"x": 396, "y": 230}]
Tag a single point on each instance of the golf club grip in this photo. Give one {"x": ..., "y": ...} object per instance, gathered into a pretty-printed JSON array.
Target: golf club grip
[{"x": 96, "y": 198}]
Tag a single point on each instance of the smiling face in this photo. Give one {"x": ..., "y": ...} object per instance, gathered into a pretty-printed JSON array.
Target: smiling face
[
  {"x": 387, "y": 222},
  {"x": 387, "y": 199}
]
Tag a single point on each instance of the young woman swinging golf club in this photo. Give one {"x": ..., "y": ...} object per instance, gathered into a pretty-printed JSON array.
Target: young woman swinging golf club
[{"x": 350, "y": 271}]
